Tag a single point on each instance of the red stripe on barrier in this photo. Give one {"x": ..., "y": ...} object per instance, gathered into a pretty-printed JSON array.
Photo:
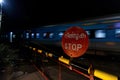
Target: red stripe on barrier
[
  {"x": 68, "y": 66},
  {"x": 76, "y": 70},
  {"x": 81, "y": 73},
  {"x": 43, "y": 75}
]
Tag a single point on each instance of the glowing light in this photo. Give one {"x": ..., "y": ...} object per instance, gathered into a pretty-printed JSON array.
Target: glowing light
[
  {"x": 61, "y": 34},
  {"x": 37, "y": 35},
  {"x": 100, "y": 34},
  {"x": 32, "y": 35},
  {"x": 1, "y": 1},
  {"x": 51, "y": 35},
  {"x": 27, "y": 35}
]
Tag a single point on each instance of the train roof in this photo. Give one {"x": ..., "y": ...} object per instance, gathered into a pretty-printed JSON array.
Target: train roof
[{"x": 91, "y": 21}]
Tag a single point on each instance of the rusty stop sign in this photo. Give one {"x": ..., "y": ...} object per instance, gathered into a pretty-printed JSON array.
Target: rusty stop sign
[{"x": 75, "y": 41}]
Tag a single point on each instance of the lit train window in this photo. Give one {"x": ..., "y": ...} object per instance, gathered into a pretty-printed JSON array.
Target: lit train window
[
  {"x": 61, "y": 34},
  {"x": 100, "y": 34},
  {"x": 117, "y": 33},
  {"x": 32, "y": 35},
  {"x": 44, "y": 35},
  {"x": 51, "y": 35},
  {"x": 37, "y": 35},
  {"x": 27, "y": 35},
  {"x": 48, "y": 35}
]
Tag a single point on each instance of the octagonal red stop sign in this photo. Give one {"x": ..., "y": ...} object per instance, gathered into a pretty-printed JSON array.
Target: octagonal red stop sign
[{"x": 75, "y": 41}]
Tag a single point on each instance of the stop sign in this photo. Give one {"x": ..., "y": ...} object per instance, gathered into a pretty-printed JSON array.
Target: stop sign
[{"x": 75, "y": 41}]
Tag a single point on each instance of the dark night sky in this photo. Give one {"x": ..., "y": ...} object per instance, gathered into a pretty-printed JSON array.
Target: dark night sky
[{"x": 28, "y": 13}]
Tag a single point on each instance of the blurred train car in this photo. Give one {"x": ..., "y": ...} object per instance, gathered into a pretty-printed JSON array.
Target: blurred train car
[{"x": 104, "y": 35}]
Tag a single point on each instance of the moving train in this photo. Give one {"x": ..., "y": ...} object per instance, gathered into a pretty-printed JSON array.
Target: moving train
[{"x": 103, "y": 33}]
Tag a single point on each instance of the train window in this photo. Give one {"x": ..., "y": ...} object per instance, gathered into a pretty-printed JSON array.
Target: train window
[
  {"x": 48, "y": 35},
  {"x": 37, "y": 35},
  {"x": 51, "y": 35},
  {"x": 100, "y": 34},
  {"x": 32, "y": 35},
  {"x": 27, "y": 35},
  {"x": 60, "y": 34},
  {"x": 117, "y": 33},
  {"x": 44, "y": 35}
]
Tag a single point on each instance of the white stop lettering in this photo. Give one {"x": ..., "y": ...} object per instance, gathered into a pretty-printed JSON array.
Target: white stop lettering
[{"x": 74, "y": 47}]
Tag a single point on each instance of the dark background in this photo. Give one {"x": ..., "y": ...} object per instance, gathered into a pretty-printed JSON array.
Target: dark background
[{"x": 24, "y": 14}]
